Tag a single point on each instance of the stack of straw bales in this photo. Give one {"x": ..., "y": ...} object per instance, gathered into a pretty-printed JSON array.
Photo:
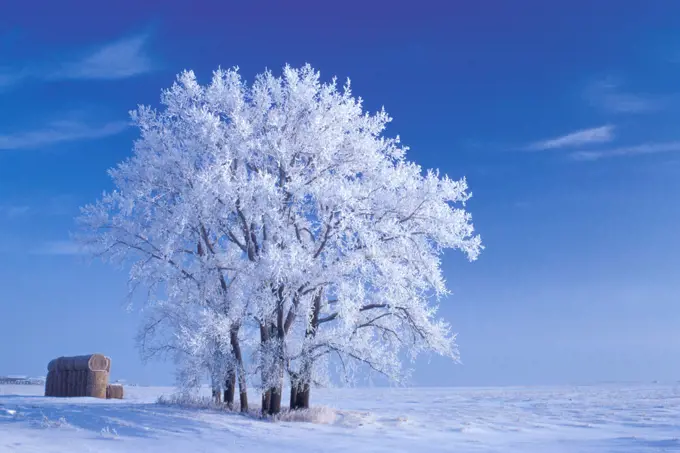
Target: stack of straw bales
[
  {"x": 114, "y": 391},
  {"x": 86, "y": 375}
]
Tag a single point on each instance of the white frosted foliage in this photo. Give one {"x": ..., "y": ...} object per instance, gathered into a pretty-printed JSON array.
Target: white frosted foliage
[{"x": 281, "y": 206}]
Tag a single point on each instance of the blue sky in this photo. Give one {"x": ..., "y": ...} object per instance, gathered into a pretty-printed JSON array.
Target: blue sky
[{"x": 563, "y": 118}]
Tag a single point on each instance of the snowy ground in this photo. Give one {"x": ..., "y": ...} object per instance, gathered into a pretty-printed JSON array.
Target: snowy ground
[{"x": 625, "y": 419}]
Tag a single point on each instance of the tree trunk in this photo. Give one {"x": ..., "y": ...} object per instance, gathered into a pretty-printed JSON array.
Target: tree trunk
[
  {"x": 277, "y": 390},
  {"x": 217, "y": 397},
  {"x": 235, "y": 345},
  {"x": 302, "y": 385},
  {"x": 302, "y": 400},
  {"x": 266, "y": 401},
  {"x": 267, "y": 395},
  {"x": 242, "y": 384},
  {"x": 230, "y": 389},
  {"x": 242, "y": 390},
  {"x": 299, "y": 391},
  {"x": 279, "y": 331},
  {"x": 216, "y": 390},
  {"x": 275, "y": 404},
  {"x": 293, "y": 395}
]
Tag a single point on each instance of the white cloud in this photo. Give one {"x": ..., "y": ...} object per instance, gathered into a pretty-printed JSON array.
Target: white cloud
[
  {"x": 606, "y": 94},
  {"x": 8, "y": 79},
  {"x": 59, "y": 132},
  {"x": 630, "y": 103},
  {"x": 40, "y": 206},
  {"x": 626, "y": 151},
  {"x": 601, "y": 134},
  {"x": 14, "y": 211},
  {"x": 126, "y": 57},
  {"x": 59, "y": 248},
  {"x": 117, "y": 60}
]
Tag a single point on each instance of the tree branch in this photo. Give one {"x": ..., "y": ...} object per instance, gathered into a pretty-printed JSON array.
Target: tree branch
[{"x": 328, "y": 318}]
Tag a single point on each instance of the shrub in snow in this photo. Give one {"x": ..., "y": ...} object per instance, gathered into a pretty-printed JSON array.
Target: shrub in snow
[
  {"x": 45, "y": 422},
  {"x": 190, "y": 401},
  {"x": 319, "y": 415},
  {"x": 109, "y": 433}
]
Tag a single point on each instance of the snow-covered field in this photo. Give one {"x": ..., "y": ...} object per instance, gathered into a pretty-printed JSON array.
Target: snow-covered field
[{"x": 625, "y": 419}]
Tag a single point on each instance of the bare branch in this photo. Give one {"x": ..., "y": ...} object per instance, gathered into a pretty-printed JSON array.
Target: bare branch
[
  {"x": 328, "y": 318},
  {"x": 410, "y": 216}
]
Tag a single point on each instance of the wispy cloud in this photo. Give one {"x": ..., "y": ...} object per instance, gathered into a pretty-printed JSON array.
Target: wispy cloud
[
  {"x": 60, "y": 205},
  {"x": 14, "y": 211},
  {"x": 117, "y": 60},
  {"x": 626, "y": 151},
  {"x": 607, "y": 94},
  {"x": 59, "y": 248},
  {"x": 602, "y": 134},
  {"x": 8, "y": 79},
  {"x": 40, "y": 206},
  {"x": 123, "y": 58},
  {"x": 59, "y": 132}
]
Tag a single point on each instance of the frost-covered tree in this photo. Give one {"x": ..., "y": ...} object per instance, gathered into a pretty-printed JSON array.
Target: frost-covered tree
[
  {"x": 281, "y": 210},
  {"x": 198, "y": 340}
]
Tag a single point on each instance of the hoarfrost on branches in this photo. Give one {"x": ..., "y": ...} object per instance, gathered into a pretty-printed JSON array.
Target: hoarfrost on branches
[{"x": 280, "y": 212}]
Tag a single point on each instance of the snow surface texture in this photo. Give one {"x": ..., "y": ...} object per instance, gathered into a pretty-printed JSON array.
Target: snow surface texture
[{"x": 612, "y": 418}]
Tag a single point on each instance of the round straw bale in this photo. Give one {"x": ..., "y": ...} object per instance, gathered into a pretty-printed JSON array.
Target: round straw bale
[
  {"x": 99, "y": 362},
  {"x": 92, "y": 362},
  {"x": 66, "y": 363},
  {"x": 96, "y": 383},
  {"x": 108, "y": 364},
  {"x": 69, "y": 383},
  {"x": 54, "y": 384},
  {"x": 85, "y": 377},
  {"x": 49, "y": 383},
  {"x": 61, "y": 383},
  {"x": 114, "y": 391},
  {"x": 82, "y": 383},
  {"x": 80, "y": 362},
  {"x": 52, "y": 365},
  {"x": 59, "y": 363},
  {"x": 66, "y": 390},
  {"x": 75, "y": 388}
]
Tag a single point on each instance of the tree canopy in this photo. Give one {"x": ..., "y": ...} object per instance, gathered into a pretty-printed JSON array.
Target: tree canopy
[{"x": 278, "y": 231}]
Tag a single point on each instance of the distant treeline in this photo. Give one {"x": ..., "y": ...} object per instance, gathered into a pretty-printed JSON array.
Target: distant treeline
[{"x": 21, "y": 380}]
